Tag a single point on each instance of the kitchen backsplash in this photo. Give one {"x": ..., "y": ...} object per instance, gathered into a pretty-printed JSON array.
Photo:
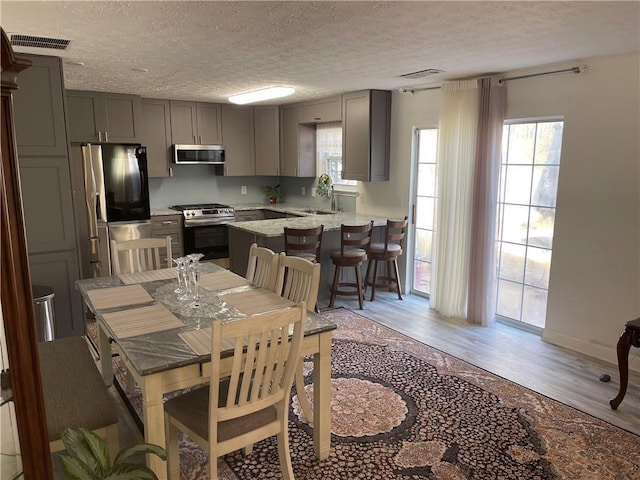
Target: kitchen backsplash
[{"x": 198, "y": 184}]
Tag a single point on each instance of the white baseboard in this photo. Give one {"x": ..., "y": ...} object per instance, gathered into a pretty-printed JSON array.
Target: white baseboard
[{"x": 600, "y": 352}]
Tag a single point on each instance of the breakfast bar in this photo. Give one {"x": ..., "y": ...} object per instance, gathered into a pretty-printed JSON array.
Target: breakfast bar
[{"x": 270, "y": 234}]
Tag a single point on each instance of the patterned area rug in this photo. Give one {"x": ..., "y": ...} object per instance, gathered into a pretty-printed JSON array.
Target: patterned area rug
[{"x": 403, "y": 410}]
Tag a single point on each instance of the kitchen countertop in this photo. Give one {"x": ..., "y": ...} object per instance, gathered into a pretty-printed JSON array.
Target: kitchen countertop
[
  {"x": 156, "y": 212},
  {"x": 333, "y": 221}
]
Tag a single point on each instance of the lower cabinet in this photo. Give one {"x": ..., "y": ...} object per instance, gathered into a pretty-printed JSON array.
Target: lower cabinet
[
  {"x": 249, "y": 215},
  {"x": 169, "y": 225},
  {"x": 59, "y": 270}
]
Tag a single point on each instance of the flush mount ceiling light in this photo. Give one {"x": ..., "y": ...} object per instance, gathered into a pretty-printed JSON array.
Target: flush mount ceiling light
[{"x": 260, "y": 95}]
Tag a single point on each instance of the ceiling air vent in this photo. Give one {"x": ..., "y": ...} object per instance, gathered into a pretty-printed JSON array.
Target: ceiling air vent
[
  {"x": 39, "y": 42},
  {"x": 422, "y": 73}
]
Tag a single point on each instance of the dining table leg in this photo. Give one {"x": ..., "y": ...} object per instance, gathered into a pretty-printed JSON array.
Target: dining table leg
[
  {"x": 153, "y": 413},
  {"x": 322, "y": 397},
  {"x": 106, "y": 363}
]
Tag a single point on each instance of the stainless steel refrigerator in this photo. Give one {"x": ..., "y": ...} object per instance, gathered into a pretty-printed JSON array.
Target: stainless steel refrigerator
[{"x": 116, "y": 194}]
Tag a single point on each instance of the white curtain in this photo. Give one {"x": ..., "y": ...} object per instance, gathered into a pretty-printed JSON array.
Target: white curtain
[{"x": 456, "y": 158}]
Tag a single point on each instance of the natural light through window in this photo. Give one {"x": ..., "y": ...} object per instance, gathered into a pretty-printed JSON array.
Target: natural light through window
[
  {"x": 329, "y": 152},
  {"x": 526, "y": 214},
  {"x": 426, "y": 194}
]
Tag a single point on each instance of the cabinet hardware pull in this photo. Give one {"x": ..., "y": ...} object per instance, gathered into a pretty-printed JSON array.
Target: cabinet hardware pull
[
  {"x": 167, "y": 222},
  {"x": 106, "y": 136},
  {"x": 195, "y": 140},
  {"x": 99, "y": 136}
]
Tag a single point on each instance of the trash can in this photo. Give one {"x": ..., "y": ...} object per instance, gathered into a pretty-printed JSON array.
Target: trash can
[{"x": 43, "y": 310}]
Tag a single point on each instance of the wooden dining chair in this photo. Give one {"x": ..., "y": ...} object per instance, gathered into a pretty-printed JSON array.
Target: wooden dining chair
[
  {"x": 354, "y": 250},
  {"x": 303, "y": 242},
  {"x": 298, "y": 281},
  {"x": 140, "y": 255},
  {"x": 388, "y": 252},
  {"x": 253, "y": 402},
  {"x": 74, "y": 393},
  {"x": 262, "y": 267}
]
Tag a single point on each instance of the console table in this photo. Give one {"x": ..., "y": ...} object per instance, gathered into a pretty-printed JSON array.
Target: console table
[{"x": 631, "y": 336}]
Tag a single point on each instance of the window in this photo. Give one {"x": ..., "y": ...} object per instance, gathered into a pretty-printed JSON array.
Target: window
[
  {"x": 425, "y": 208},
  {"x": 329, "y": 152},
  {"x": 526, "y": 213}
]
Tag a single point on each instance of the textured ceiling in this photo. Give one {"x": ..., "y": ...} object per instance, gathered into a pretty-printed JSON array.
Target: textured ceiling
[{"x": 209, "y": 50}]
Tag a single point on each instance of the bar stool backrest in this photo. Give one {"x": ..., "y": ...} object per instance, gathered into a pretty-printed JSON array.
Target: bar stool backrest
[{"x": 355, "y": 237}]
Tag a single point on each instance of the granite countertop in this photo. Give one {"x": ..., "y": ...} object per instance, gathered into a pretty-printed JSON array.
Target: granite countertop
[
  {"x": 333, "y": 221},
  {"x": 155, "y": 212}
]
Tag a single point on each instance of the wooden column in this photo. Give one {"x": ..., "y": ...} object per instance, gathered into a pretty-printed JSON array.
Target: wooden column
[{"x": 17, "y": 302}]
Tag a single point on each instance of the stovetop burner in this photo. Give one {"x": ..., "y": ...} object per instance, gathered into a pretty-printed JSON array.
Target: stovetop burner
[
  {"x": 200, "y": 214},
  {"x": 199, "y": 206}
]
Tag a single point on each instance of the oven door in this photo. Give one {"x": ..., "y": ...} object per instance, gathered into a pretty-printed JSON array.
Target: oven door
[{"x": 210, "y": 240}]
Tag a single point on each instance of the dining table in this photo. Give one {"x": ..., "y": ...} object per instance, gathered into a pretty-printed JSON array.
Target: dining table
[{"x": 164, "y": 340}]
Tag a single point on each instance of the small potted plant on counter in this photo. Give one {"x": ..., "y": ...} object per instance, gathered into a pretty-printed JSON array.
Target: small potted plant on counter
[{"x": 273, "y": 194}]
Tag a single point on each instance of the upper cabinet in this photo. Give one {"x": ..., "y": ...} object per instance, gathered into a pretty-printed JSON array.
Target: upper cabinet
[
  {"x": 237, "y": 134},
  {"x": 267, "y": 139},
  {"x": 322, "y": 110},
  {"x": 156, "y": 136},
  {"x": 104, "y": 117},
  {"x": 194, "y": 123},
  {"x": 366, "y": 135},
  {"x": 298, "y": 142},
  {"x": 43, "y": 134}
]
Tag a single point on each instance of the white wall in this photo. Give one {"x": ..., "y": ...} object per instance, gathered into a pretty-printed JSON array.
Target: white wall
[{"x": 595, "y": 275}]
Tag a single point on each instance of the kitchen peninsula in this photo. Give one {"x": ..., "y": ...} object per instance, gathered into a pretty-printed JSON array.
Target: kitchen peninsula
[{"x": 270, "y": 234}]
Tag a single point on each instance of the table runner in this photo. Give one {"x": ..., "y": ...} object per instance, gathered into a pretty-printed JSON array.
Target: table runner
[
  {"x": 140, "y": 321},
  {"x": 148, "y": 276},
  {"x": 104, "y": 298}
]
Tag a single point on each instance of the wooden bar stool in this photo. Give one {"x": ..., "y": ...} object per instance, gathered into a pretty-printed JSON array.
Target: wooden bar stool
[
  {"x": 630, "y": 337},
  {"x": 354, "y": 249},
  {"x": 388, "y": 252},
  {"x": 303, "y": 242}
]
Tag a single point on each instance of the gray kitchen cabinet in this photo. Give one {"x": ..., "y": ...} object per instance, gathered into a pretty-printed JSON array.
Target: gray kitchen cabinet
[
  {"x": 237, "y": 136},
  {"x": 298, "y": 143},
  {"x": 249, "y": 215},
  {"x": 47, "y": 195},
  {"x": 194, "y": 123},
  {"x": 267, "y": 139},
  {"x": 366, "y": 135},
  {"x": 156, "y": 136},
  {"x": 59, "y": 270},
  {"x": 104, "y": 117},
  {"x": 322, "y": 110},
  {"x": 44, "y": 133},
  {"x": 169, "y": 225}
]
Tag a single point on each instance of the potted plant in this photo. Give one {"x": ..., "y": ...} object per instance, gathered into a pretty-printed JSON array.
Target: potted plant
[
  {"x": 87, "y": 458},
  {"x": 273, "y": 194}
]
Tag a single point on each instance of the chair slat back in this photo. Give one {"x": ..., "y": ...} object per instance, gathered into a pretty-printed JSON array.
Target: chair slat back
[
  {"x": 266, "y": 351},
  {"x": 140, "y": 255},
  {"x": 262, "y": 267},
  {"x": 298, "y": 241},
  {"x": 298, "y": 280},
  {"x": 395, "y": 232},
  {"x": 355, "y": 236}
]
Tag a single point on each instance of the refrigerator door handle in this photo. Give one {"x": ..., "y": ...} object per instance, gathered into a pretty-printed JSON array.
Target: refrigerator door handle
[{"x": 91, "y": 194}]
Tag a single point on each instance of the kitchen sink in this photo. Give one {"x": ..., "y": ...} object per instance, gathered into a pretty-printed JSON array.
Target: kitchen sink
[{"x": 316, "y": 212}]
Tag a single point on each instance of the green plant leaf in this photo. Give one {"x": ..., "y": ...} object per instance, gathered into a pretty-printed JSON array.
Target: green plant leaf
[
  {"x": 140, "y": 449},
  {"x": 98, "y": 447},
  {"x": 73, "y": 468},
  {"x": 77, "y": 446},
  {"x": 130, "y": 471}
]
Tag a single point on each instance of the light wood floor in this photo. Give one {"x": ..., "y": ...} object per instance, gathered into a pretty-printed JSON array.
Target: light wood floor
[{"x": 514, "y": 354}]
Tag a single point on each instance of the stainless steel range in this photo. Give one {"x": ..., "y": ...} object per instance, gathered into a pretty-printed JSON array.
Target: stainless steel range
[{"x": 205, "y": 229}]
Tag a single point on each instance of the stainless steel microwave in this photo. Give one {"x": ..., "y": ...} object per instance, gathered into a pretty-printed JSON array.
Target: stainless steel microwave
[{"x": 198, "y": 154}]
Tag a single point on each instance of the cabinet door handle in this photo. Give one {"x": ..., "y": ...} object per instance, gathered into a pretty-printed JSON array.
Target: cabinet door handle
[
  {"x": 99, "y": 136},
  {"x": 195, "y": 140},
  {"x": 167, "y": 222},
  {"x": 106, "y": 136},
  {"x": 317, "y": 118}
]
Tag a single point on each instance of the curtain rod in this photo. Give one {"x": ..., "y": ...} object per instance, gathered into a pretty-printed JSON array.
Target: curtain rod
[{"x": 582, "y": 69}]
